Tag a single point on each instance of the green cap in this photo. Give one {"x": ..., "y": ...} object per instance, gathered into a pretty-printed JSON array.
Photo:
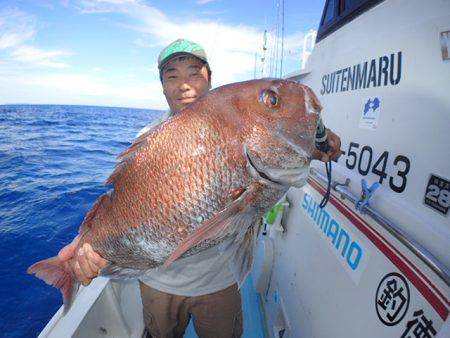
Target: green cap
[{"x": 178, "y": 48}]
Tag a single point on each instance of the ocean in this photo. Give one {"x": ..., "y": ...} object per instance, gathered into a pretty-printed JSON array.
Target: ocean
[{"x": 54, "y": 160}]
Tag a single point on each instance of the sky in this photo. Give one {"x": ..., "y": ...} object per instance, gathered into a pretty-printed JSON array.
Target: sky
[{"x": 104, "y": 52}]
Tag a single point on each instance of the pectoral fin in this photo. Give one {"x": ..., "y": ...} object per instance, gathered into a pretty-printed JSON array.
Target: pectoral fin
[{"x": 236, "y": 216}]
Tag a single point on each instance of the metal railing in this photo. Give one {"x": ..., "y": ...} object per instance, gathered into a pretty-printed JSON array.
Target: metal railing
[{"x": 427, "y": 257}]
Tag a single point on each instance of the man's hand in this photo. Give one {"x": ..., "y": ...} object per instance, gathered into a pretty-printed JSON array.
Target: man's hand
[
  {"x": 85, "y": 264},
  {"x": 333, "y": 153}
]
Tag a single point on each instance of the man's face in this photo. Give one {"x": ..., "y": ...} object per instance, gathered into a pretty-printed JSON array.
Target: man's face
[{"x": 184, "y": 80}]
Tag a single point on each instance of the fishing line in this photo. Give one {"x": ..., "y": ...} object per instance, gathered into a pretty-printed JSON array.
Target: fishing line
[{"x": 326, "y": 197}]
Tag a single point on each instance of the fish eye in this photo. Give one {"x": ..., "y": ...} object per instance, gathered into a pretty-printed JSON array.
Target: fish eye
[{"x": 270, "y": 98}]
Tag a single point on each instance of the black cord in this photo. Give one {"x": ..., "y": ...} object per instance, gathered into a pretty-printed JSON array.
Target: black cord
[
  {"x": 323, "y": 146},
  {"x": 326, "y": 198}
]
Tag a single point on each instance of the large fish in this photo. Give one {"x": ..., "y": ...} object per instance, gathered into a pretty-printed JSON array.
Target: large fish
[{"x": 201, "y": 177}]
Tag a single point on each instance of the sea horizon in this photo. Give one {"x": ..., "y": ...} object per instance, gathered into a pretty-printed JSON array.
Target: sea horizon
[{"x": 78, "y": 105}]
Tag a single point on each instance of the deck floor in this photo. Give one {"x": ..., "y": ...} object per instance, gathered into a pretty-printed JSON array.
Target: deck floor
[{"x": 253, "y": 318}]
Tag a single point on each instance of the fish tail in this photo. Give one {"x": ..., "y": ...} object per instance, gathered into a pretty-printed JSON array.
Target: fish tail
[{"x": 54, "y": 272}]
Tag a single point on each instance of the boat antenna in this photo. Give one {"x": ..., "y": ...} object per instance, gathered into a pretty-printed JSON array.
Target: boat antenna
[
  {"x": 264, "y": 48},
  {"x": 277, "y": 38},
  {"x": 254, "y": 68},
  {"x": 282, "y": 37}
]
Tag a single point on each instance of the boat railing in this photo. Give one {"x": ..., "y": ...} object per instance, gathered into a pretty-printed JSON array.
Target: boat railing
[{"x": 427, "y": 257}]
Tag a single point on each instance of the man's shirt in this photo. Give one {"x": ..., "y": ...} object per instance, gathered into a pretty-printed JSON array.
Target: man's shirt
[{"x": 202, "y": 273}]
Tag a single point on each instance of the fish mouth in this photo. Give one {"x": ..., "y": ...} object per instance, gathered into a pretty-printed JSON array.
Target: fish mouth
[
  {"x": 284, "y": 177},
  {"x": 259, "y": 172}
]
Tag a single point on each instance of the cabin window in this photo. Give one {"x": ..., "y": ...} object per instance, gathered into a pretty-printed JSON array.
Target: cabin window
[
  {"x": 337, "y": 13},
  {"x": 348, "y": 4},
  {"x": 329, "y": 12}
]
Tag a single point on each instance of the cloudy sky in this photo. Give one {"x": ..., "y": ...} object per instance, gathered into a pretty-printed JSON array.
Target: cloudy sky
[{"x": 104, "y": 52}]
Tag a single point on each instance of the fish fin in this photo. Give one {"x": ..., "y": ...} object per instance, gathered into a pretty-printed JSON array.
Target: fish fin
[
  {"x": 115, "y": 174},
  {"x": 53, "y": 272},
  {"x": 137, "y": 143},
  {"x": 238, "y": 215},
  {"x": 92, "y": 212},
  {"x": 129, "y": 154},
  {"x": 242, "y": 261}
]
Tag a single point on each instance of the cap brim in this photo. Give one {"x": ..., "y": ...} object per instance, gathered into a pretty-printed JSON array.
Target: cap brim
[{"x": 177, "y": 55}]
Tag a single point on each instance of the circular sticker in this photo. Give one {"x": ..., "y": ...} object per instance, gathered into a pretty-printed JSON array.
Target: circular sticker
[{"x": 392, "y": 299}]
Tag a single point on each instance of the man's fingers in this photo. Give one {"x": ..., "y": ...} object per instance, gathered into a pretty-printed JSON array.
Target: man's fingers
[
  {"x": 94, "y": 267},
  {"x": 95, "y": 261},
  {"x": 68, "y": 251},
  {"x": 79, "y": 274},
  {"x": 334, "y": 153},
  {"x": 318, "y": 155},
  {"x": 94, "y": 258},
  {"x": 85, "y": 266},
  {"x": 335, "y": 145},
  {"x": 90, "y": 263}
]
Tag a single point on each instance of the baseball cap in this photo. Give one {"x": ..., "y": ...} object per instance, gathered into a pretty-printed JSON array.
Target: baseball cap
[{"x": 178, "y": 48}]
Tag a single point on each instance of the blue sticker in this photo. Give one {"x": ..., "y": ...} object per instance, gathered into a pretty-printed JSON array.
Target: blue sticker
[{"x": 370, "y": 113}]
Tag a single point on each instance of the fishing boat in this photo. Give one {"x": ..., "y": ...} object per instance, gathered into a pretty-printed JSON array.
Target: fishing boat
[{"x": 374, "y": 261}]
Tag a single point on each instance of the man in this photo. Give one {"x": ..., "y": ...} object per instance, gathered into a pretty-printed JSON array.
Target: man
[{"x": 200, "y": 286}]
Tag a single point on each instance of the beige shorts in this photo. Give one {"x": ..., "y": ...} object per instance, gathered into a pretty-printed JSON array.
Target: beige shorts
[{"x": 215, "y": 315}]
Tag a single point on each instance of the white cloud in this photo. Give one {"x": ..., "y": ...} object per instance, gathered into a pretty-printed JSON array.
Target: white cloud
[
  {"x": 79, "y": 89},
  {"x": 145, "y": 43},
  {"x": 24, "y": 75},
  {"x": 36, "y": 56},
  {"x": 203, "y": 2},
  {"x": 45, "y": 4},
  {"x": 231, "y": 52},
  {"x": 154, "y": 69},
  {"x": 16, "y": 27},
  {"x": 17, "y": 31},
  {"x": 231, "y": 48}
]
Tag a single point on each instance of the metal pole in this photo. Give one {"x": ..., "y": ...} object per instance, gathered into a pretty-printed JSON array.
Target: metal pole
[
  {"x": 254, "y": 68},
  {"x": 282, "y": 37},
  {"x": 421, "y": 252}
]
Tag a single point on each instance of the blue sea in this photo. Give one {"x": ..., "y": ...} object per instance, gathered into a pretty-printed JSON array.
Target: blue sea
[{"x": 54, "y": 161}]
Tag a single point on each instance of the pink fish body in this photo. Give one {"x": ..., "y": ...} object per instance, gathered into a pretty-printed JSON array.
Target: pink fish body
[{"x": 203, "y": 176}]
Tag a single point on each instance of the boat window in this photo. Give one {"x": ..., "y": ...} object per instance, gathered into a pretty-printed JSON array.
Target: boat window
[
  {"x": 337, "y": 13},
  {"x": 348, "y": 4},
  {"x": 329, "y": 12}
]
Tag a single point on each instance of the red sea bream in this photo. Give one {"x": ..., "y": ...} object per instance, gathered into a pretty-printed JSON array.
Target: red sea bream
[{"x": 205, "y": 175}]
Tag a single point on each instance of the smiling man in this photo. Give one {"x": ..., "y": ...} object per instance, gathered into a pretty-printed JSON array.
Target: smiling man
[
  {"x": 201, "y": 286},
  {"x": 184, "y": 79}
]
